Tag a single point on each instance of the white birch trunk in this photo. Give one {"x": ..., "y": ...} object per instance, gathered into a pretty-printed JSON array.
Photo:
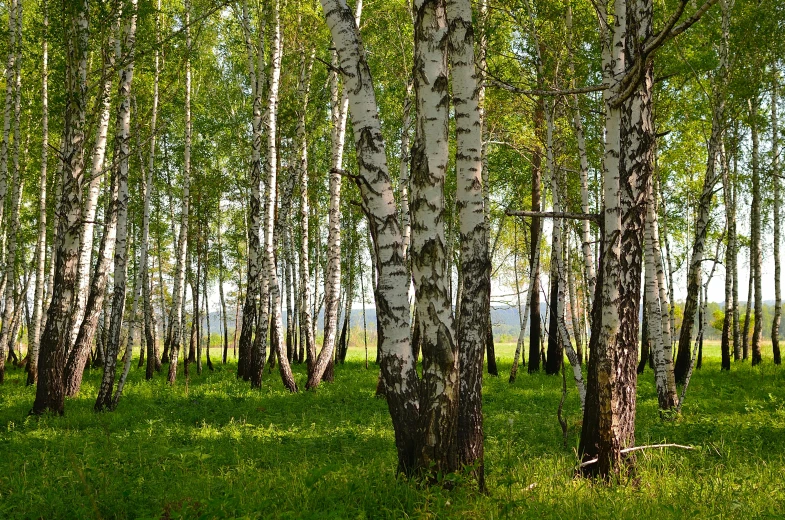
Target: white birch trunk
[
  {"x": 332, "y": 284},
  {"x": 122, "y": 150},
  {"x": 775, "y": 179},
  {"x": 269, "y": 231},
  {"x": 10, "y": 69},
  {"x": 473, "y": 233},
  {"x": 54, "y": 343},
  {"x": 397, "y": 361},
  {"x": 178, "y": 291},
  {"x": 40, "y": 248}
]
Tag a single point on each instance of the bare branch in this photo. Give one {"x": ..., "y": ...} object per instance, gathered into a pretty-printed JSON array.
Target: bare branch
[{"x": 556, "y": 214}]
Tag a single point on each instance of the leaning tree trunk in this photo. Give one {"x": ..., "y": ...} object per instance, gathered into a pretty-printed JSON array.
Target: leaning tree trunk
[
  {"x": 474, "y": 304},
  {"x": 397, "y": 363},
  {"x": 122, "y": 154},
  {"x": 704, "y": 215},
  {"x": 54, "y": 343},
  {"x": 775, "y": 172},
  {"x": 40, "y": 248},
  {"x": 178, "y": 291}
]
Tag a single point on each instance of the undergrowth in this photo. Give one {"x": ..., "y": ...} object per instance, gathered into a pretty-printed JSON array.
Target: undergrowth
[{"x": 217, "y": 449}]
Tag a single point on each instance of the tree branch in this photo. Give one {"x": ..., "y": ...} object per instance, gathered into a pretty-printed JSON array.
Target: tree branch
[{"x": 556, "y": 214}]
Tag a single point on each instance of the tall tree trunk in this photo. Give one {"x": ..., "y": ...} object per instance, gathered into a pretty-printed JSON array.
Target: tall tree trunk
[
  {"x": 397, "y": 363},
  {"x": 430, "y": 151},
  {"x": 733, "y": 245},
  {"x": 54, "y": 341},
  {"x": 609, "y": 417},
  {"x": 755, "y": 248},
  {"x": 657, "y": 309},
  {"x": 474, "y": 304},
  {"x": 269, "y": 232},
  {"x": 13, "y": 91},
  {"x": 307, "y": 340},
  {"x": 775, "y": 172},
  {"x": 122, "y": 156},
  {"x": 149, "y": 327},
  {"x": 178, "y": 291},
  {"x": 253, "y": 281},
  {"x": 10, "y": 72},
  {"x": 332, "y": 280},
  {"x": 704, "y": 214},
  {"x": 224, "y": 320},
  {"x": 40, "y": 248}
]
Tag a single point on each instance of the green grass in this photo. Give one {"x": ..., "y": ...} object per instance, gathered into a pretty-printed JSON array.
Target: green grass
[{"x": 221, "y": 450}]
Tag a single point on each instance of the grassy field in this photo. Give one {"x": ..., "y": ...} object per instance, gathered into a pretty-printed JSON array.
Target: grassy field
[{"x": 217, "y": 449}]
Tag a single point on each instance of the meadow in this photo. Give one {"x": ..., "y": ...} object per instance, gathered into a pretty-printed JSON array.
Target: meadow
[{"x": 214, "y": 448}]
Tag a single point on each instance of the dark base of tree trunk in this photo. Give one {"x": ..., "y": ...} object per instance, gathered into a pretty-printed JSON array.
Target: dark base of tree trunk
[{"x": 490, "y": 352}]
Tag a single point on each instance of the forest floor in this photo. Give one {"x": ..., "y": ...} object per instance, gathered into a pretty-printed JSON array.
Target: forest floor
[{"x": 217, "y": 449}]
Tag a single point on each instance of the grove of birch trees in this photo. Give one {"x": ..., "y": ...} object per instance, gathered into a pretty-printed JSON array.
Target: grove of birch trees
[{"x": 270, "y": 166}]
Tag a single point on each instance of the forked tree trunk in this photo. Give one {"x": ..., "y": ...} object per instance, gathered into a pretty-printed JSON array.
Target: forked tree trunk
[
  {"x": 430, "y": 151},
  {"x": 54, "y": 343},
  {"x": 609, "y": 417}
]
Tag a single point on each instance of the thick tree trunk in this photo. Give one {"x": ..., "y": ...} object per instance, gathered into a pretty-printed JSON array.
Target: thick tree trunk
[
  {"x": 473, "y": 233},
  {"x": 397, "y": 363},
  {"x": 440, "y": 385},
  {"x": 54, "y": 341},
  {"x": 609, "y": 418},
  {"x": 733, "y": 245}
]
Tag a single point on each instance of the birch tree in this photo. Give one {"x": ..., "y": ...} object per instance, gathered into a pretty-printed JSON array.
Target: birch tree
[
  {"x": 54, "y": 341},
  {"x": 178, "y": 291},
  {"x": 122, "y": 146}
]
